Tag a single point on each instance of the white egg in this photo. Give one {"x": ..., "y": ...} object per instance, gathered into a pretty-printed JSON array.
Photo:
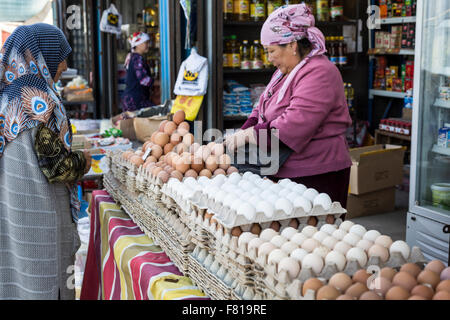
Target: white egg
[
  {"x": 401, "y": 247},
  {"x": 278, "y": 240},
  {"x": 220, "y": 196},
  {"x": 275, "y": 256},
  {"x": 284, "y": 182},
  {"x": 289, "y": 232},
  {"x": 245, "y": 195},
  {"x": 266, "y": 248},
  {"x": 273, "y": 199},
  {"x": 314, "y": 262},
  {"x": 298, "y": 238},
  {"x": 320, "y": 236},
  {"x": 358, "y": 229},
  {"x": 310, "y": 194},
  {"x": 342, "y": 247},
  {"x": 283, "y": 193},
  {"x": 266, "y": 193},
  {"x": 255, "y": 191},
  {"x": 357, "y": 254},
  {"x": 255, "y": 243},
  {"x": 275, "y": 188},
  {"x": 352, "y": 239},
  {"x": 299, "y": 254},
  {"x": 379, "y": 251},
  {"x": 245, "y": 238},
  {"x": 321, "y": 251},
  {"x": 309, "y": 231},
  {"x": 247, "y": 210},
  {"x": 218, "y": 180},
  {"x": 234, "y": 178},
  {"x": 371, "y": 235},
  {"x": 255, "y": 200},
  {"x": 323, "y": 200},
  {"x": 204, "y": 181},
  {"x": 290, "y": 265},
  {"x": 284, "y": 205},
  {"x": 245, "y": 184},
  {"x": 310, "y": 244},
  {"x": 339, "y": 234},
  {"x": 384, "y": 241},
  {"x": 364, "y": 244},
  {"x": 236, "y": 204},
  {"x": 190, "y": 181},
  {"x": 266, "y": 207},
  {"x": 328, "y": 228},
  {"x": 289, "y": 246},
  {"x": 292, "y": 196},
  {"x": 329, "y": 242},
  {"x": 255, "y": 179},
  {"x": 229, "y": 188},
  {"x": 337, "y": 258},
  {"x": 346, "y": 225},
  {"x": 303, "y": 203},
  {"x": 247, "y": 175},
  {"x": 298, "y": 188},
  {"x": 268, "y": 234},
  {"x": 229, "y": 200}
]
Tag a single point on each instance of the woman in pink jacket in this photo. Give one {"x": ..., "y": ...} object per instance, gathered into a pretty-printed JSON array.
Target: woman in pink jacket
[{"x": 305, "y": 101}]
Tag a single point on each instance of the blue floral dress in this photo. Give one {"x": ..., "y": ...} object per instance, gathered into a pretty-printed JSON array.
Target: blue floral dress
[{"x": 139, "y": 82}]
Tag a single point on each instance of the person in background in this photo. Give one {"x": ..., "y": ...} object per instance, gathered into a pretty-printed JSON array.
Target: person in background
[
  {"x": 304, "y": 101},
  {"x": 38, "y": 171},
  {"x": 139, "y": 81}
]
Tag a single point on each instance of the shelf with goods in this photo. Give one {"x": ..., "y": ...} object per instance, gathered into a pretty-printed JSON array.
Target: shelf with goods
[{"x": 391, "y": 56}]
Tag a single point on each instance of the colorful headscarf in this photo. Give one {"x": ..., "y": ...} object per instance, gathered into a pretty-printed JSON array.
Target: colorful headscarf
[
  {"x": 29, "y": 60},
  {"x": 291, "y": 23},
  {"x": 135, "y": 39}
]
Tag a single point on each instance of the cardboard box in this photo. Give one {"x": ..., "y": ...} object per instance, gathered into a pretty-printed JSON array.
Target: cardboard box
[
  {"x": 375, "y": 168},
  {"x": 145, "y": 127},
  {"x": 371, "y": 203},
  {"x": 127, "y": 127},
  {"x": 407, "y": 114}
]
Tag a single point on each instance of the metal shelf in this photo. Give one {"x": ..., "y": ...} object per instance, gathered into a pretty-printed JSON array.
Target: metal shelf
[
  {"x": 392, "y": 135},
  {"x": 401, "y": 52},
  {"x": 441, "y": 150},
  {"x": 388, "y": 94},
  {"x": 398, "y": 20},
  {"x": 442, "y": 104}
]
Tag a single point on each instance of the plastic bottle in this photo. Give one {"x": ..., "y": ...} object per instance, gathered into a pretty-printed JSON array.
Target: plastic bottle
[
  {"x": 258, "y": 10},
  {"x": 227, "y": 10},
  {"x": 235, "y": 53},
  {"x": 241, "y": 9},
  {"x": 273, "y": 5},
  {"x": 336, "y": 10},
  {"x": 350, "y": 96},
  {"x": 246, "y": 62},
  {"x": 334, "y": 57},
  {"x": 257, "y": 55},
  {"x": 323, "y": 10},
  {"x": 342, "y": 52}
]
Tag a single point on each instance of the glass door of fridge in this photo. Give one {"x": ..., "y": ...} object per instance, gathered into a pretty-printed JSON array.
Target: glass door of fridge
[{"x": 431, "y": 135}]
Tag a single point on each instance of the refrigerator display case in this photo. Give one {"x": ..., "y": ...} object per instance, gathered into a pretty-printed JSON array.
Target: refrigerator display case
[{"x": 428, "y": 219}]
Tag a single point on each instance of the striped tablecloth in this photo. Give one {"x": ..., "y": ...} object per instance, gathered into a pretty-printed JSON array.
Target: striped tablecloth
[{"x": 124, "y": 263}]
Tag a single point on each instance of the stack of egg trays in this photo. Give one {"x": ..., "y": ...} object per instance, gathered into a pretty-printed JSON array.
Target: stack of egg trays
[{"x": 141, "y": 179}]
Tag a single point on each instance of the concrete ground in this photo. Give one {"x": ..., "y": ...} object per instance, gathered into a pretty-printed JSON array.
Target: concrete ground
[{"x": 392, "y": 224}]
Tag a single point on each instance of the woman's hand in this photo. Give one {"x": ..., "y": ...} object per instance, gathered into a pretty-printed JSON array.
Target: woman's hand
[
  {"x": 240, "y": 139},
  {"x": 88, "y": 158}
]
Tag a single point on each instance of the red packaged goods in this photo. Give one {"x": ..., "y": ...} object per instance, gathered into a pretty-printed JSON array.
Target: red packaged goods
[
  {"x": 397, "y": 85},
  {"x": 409, "y": 69},
  {"x": 409, "y": 83}
]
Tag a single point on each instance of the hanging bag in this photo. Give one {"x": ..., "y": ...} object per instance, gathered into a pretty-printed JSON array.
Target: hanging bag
[
  {"x": 193, "y": 76},
  {"x": 111, "y": 21}
]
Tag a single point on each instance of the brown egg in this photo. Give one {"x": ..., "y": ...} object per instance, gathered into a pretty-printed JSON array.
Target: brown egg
[
  {"x": 183, "y": 128},
  {"x": 416, "y": 298},
  {"x": 369, "y": 295},
  {"x": 168, "y": 169},
  {"x": 177, "y": 175},
  {"x": 146, "y": 144},
  {"x": 428, "y": 277},
  {"x": 151, "y": 159},
  {"x": 224, "y": 161},
  {"x": 188, "y": 139},
  {"x": 397, "y": 293},
  {"x": 345, "y": 297},
  {"x": 312, "y": 284},
  {"x": 168, "y": 148},
  {"x": 388, "y": 273},
  {"x": 175, "y": 138},
  {"x": 327, "y": 293},
  {"x": 194, "y": 147},
  {"x": 137, "y": 160},
  {"x": 153, "y": 136},
  {"x": 232, "y": 170},
  {"x": 182, "y": 148},
  {"x": 163, "y": 176},
  {"x": 356, "y": 290},
  {"x": 156, "y": 171},
  {"x": 330, "y": 219},
  {"x": 442, "y": 295},
  {"x": 157, "y": 151},
  {"x": 423, "y": 291},
  {"x": 405, "y": 280},
  {"x": 236, "y": 231},
  {"x": 162, "y": 139},
  {"x": 162, "y": 125},
  {"x": 203, "y": 152},
  {"x": 191, "y": 173},
  {"x": 205, "y": 173},
  {"x": 182, "y": 166},
  {"x": 160, "y": 164},
  {"x": 211, "y": 163},
  {"x": 340, "y": 281},
  {"x": 217, "y": 149},
  {"x": 174, "y": 160},
  {"x": 443, "y": 286},
  {"x": 127, "y": 154},
  {"x": 275, "y": 225},
  {"x": 170, "y": 127},
  {"x": 436, "y": 266},
  {"x": 294, "y": 223},
  {"x": 219, "y": 172},
  {"x": 255, "y": 229},
  {"x": 179, "y": 117},
  {"x": 211, "y": 145},
  {"x": 380, "y": 285},
  {"x": 312, "y": 221},
  {"x": 197, "y": 164},
  {"x": 361, "y": 276},
  {"x": 412, "y": 268}
]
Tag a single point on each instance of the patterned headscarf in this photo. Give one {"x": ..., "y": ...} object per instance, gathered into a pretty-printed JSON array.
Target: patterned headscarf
[
  {"x": 288, "y": 24},
  {"x": 29, "y": 61},
  {"x": 135, "y": 39}
]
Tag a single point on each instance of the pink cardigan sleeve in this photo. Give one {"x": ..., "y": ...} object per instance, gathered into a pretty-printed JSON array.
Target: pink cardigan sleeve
[{"x": 310, "y": 103}]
